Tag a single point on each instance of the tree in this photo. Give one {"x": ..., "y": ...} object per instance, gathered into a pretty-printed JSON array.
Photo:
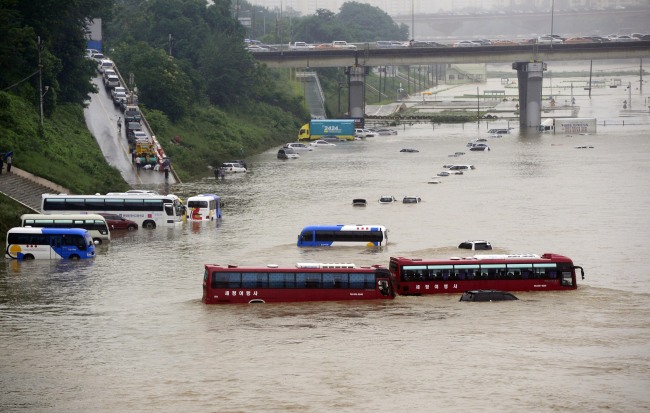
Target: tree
[
  {"x": 162, "y": 83},
  {"x": 368, "y": 23},
  {"x": 61, "y": 25}
]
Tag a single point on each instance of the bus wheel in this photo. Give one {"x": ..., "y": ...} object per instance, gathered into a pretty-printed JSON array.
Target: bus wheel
[
  {"x": 256, "y": 302},
  {"x": 149, "y": 225},
  {"x": 74, "y": 257},
  {"x": 132, "y": 228},
  {"x": 28, "y": 257}
]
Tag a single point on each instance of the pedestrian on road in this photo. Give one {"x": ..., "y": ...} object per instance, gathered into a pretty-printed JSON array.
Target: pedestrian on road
[
  {"x": 119, "y": 124},
  {"x": 8, "y": 160},
  {"x": 137, "y": 163},
  {"x": 223, "y": 172}
]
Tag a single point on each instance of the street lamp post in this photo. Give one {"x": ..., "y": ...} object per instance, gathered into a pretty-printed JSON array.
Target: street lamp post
[
  {"x": 412, "y": 21},
  {"x": 552, "y": 13}
]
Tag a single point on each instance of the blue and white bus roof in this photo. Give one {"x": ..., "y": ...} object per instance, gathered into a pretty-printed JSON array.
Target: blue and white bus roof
[{"x": 346, "y": 227}]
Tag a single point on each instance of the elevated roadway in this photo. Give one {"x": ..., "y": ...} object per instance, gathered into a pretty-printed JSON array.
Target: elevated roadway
[
  {"x": 101, "y": 118},
  {"x": 367, "y": 56},
  {"x": 529, "y": 60}
]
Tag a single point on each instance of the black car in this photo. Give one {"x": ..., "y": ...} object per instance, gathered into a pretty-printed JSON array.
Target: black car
[{"x": 487, "y": 295}]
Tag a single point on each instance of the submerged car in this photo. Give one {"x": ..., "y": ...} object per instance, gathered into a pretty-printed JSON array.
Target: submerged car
[
  {"x": 475, "y": 245},
  {"x": 387, "y": 199},
  {"x": 231, "y": 167},
  {"x": 479, "y": 147},
  {"x": 115, "y": 221},
  {"x": 487, "y": 295},
  {"x": 411, "y": 200},
  {"x": 323, "y": 143},
  {"x": 297, "y": 147},
  {"x": 287, "y": 153}
]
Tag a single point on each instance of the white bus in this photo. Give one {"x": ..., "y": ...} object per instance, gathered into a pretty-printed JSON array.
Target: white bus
[
  {"x": 95, "y": 224},
  {"x": 49, "y": 243},
  {"x": 204, "y": 207},
  {"x": 146, "y": 209}
]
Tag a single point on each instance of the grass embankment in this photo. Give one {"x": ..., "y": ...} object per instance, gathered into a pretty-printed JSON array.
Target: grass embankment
[
  {"x": 65, "y": 152},
  {"x": 208, "y": 135}
]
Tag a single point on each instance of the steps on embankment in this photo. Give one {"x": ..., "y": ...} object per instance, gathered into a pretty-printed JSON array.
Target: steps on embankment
[{"x": 26, "y": 188}]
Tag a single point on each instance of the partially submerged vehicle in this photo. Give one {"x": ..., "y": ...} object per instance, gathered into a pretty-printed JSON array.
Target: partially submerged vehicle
[
  {"x": 475, "y": 245},
  {"x": 487, "y": 295}
]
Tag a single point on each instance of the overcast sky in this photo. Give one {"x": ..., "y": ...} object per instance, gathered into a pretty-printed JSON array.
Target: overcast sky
[{"x": 307, "y": 7}]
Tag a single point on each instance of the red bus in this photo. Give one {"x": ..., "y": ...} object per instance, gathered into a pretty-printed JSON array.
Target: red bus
[
  {"x": 416, "y": 276},
  {"x": 224, "y": 284}
]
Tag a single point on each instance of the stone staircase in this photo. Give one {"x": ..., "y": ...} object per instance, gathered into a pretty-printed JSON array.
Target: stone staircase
[{"x": 26, "y": 189}]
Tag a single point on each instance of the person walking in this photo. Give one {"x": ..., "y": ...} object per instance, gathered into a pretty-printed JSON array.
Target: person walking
[
  {"x": 223, "y": 172},
  {"x": 119, "y": 124},
  {"x": 8, "y": 161},
  {"x": 137, "y": 163}
]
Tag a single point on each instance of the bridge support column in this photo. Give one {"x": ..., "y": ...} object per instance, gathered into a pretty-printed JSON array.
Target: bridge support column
[
  {"x": 530, "y": 76},
  {"x": 357, "y": 92}
]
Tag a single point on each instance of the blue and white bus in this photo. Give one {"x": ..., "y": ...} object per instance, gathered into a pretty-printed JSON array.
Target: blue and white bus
[
  {"x": 326, "y": 235},
  {"x": 49, "y": 244},
  {"x": 204, "y": 207}
]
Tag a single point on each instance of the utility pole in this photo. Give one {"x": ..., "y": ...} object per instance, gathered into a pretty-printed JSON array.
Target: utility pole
[{"x": 40, "y": 77}]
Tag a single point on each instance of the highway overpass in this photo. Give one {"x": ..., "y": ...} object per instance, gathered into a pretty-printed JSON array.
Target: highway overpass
[
  {"x": 529, "y": 60},
  {"x": 399, "y": 56}
]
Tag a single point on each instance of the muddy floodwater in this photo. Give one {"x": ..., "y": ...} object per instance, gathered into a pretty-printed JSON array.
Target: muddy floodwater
[{"x": 127, "y": 332}]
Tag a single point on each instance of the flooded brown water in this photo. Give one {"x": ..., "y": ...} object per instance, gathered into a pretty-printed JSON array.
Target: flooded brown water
[{"x": 128, "y": 332}]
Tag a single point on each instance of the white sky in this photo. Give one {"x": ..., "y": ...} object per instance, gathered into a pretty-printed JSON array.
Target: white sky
[{"x": 392, "y": 7}]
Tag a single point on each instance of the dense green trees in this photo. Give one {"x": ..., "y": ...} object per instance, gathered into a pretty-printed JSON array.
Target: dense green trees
[
  {"x": 355, "y": 22},
  {"x": 61, "y": 26}
]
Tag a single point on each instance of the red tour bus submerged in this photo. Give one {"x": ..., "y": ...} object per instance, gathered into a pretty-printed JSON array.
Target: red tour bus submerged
[
  {"x": 526, "y": 272},
  {"x": 229, "y": 284}
]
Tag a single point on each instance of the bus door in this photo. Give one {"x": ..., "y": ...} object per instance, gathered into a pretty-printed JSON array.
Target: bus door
[
  {"x": 169, "y": 209},
  {"x": 385, "y": 287},
  {"x": 56, "y": 244}
]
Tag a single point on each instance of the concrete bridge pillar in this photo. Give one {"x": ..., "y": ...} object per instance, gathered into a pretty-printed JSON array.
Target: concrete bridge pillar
[
  {"x": 357, "y": 92},
  {"x": 530, "y": 76}
]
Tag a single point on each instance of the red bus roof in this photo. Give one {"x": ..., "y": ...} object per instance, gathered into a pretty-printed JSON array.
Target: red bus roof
[{"x": 484, "y": 258}]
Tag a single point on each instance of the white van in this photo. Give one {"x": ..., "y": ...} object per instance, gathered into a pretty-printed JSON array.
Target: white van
[{"x": 104, "y": 64}]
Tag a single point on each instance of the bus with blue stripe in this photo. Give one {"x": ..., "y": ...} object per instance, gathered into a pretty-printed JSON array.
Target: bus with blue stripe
[
  {"x": 327, "y": 235},
  {"x": 49, "y": 244}
]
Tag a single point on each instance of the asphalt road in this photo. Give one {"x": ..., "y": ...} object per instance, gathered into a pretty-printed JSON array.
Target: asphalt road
[{"x": 101, "y": 118}]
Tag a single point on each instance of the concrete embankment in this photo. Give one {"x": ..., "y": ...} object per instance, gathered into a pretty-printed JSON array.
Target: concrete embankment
[{"x": 26, "y": 188}]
